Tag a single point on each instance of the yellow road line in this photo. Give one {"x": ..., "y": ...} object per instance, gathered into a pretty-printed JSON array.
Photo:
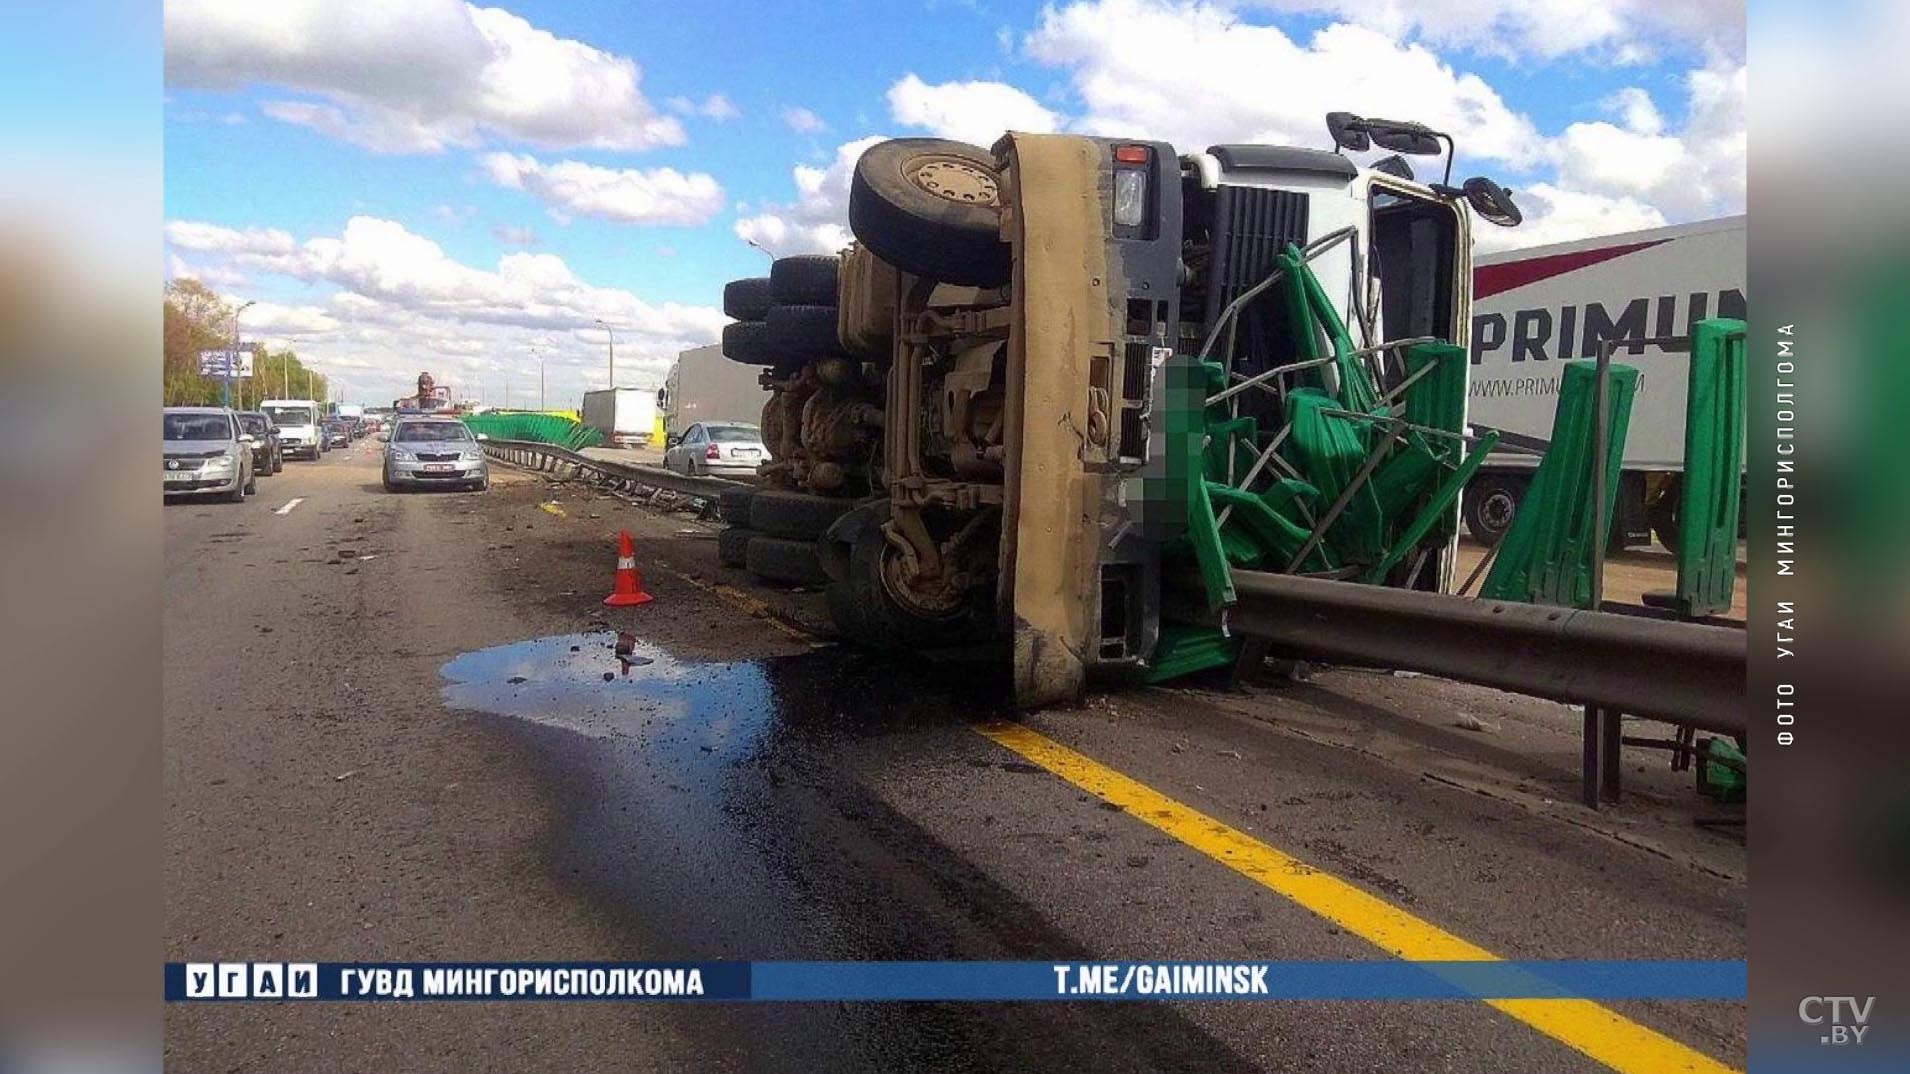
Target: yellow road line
[{"x": 1603, "y": 1034}]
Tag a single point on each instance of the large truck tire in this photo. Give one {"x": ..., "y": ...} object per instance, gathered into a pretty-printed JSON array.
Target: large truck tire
[
  {"x": 806, "y": 280},
  {"x": 865, "y": 611},
  {"x": 803, "y": 331},
  {"x": 732, "y": 505},
  {"x": 746, "y": 300},
  {"x": 797, "y": 515},
  {"x": 931, "y": 207},
  {"x": 1666, "y": 513},
  {"x": 1490, "y": 502},
  {"x": 750, "y": 342},
  {"x": 778, "y": 559},
  {"x": 732, "y": 546}
]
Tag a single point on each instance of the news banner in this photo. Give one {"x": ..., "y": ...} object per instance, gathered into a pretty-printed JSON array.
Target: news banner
[{"x": 196, "y": 982}]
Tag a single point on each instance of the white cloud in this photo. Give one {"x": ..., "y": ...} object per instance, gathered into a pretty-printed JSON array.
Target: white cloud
[
  {"x": 626, "y": 195},
  {"x": 977, "y": 112},
  {"x": 1697, "y": 170},
  {"x": 817, "y": 222},
  {"x": 1626, "y": 30},
  {"x": 398, "y": 303},
  {"x": 1198, "y": 74},
  {"x": 515, "y": 236},
  {"x": 803, "y": 121},
  {"x": 415, "y": 77},
  {"x": 1553, "y": 214},
  {"x": 716, "y": 106}
]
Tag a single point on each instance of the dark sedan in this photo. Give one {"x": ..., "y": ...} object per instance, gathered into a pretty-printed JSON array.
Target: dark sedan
[{"x": 268, "y": 455}]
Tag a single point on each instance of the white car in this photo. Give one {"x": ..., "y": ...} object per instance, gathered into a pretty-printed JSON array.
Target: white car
[{"x": 717, "y": 449}]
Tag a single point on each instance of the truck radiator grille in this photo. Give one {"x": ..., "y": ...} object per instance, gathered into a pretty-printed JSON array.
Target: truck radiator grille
[{"x": 1250, "y": 227}]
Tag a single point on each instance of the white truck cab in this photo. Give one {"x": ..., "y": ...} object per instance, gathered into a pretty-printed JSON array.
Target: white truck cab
[{"x": 301, "y": 429}]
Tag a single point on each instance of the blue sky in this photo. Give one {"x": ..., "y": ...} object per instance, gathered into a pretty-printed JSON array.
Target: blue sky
[{"x": 580, "y": 161}]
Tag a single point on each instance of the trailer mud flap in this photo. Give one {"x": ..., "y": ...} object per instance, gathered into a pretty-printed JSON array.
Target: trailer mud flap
[{"x": 1061, "y": 286}]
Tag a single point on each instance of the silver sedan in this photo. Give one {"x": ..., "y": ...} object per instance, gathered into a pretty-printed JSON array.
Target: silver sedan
[
  {"x": 433, "y": 451},
  {"x": 205, "y": 453}
]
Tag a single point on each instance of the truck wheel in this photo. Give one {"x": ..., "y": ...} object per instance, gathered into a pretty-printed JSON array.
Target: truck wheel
[
  {"x": 803, "y": 331},
  {"x": 1665, "y": 515},
  {"x": 732, "y": 505},
  {"x": 865, "y": 610},
  {"x": 732, "y": 546},
  {"x": 808, "y": 280},
  {"x": 798, "y": 515},
  {"x": 931, "y": 207},
  {"x": 749, "y": 342},
  {"x": 777, "y": 559},
  {"x": 1491, "y": 500},
  {"x": 746, "y": 300}
]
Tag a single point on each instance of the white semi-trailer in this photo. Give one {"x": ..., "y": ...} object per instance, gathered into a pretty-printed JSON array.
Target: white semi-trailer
[
  {"x": 1537, "y": 307},
  {"x": 705, "y": 385},
  {"x": 627, "y": 417}
]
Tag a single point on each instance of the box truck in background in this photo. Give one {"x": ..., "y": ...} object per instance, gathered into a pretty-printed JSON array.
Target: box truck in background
[
  {"x": 704, "y": 385},
  {"x": 626, "y": 417},
  {"x": 1538, "y": 307}
]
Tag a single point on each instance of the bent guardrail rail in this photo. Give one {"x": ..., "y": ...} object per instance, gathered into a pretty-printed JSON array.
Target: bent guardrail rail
[{"x": 571, "y": 465}]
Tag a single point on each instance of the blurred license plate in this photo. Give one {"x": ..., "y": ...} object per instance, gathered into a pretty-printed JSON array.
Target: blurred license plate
[
  {"x": 437, "y": 467},
  {"x": 744, "y": 453},
  {"x": 181, "y": 475}
]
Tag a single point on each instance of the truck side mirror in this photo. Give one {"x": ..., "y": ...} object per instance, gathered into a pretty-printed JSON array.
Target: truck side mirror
[{"x": 1491, "y": 201}]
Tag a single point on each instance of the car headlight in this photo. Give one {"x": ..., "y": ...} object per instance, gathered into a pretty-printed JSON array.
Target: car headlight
[
  {"x": 402, "y": 455},
  {"x": 220, "y": 462}
]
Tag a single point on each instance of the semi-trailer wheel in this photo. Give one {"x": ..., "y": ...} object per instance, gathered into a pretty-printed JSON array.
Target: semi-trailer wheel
[
  {"x": 1491, "y": 501},
  {"x": 931, "y": 207},
  {"x": 747, "y": 300},
  {"x": 865, "y": 607},
  {"x": 779, "y": 559}
]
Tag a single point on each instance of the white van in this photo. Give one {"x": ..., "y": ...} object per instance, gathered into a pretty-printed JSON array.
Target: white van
[{"x": 301, "y": 432}]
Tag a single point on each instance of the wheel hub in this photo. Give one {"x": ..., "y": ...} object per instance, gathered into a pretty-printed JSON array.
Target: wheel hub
[{"x": 956, "y": 180}]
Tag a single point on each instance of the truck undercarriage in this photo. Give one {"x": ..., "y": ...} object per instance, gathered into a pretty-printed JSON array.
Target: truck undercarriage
[{"x": 1058, "y": 389}]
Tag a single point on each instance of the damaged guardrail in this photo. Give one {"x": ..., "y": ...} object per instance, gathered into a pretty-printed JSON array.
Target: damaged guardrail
[
  {"x": 1683, "y": 673},
  {"x": 624, "y": 477}
]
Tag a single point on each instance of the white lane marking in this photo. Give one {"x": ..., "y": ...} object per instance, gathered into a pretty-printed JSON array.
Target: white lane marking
[{"x": 287, "y": 509}]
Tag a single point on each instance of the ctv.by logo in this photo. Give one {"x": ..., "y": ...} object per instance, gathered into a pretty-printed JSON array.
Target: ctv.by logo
[{"x": 1848, "y": 1017}]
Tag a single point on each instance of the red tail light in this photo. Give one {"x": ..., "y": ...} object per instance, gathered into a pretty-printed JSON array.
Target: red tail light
[
  {"x": 1132, "y": 154},
  {"x": 712, "y": 453}
]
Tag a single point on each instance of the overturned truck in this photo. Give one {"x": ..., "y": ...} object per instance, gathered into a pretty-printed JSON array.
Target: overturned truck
[{"x": 1058, "y": 389}]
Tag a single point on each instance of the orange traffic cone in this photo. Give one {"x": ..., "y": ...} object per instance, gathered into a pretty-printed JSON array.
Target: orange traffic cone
[{"x": 629, "y": 582}]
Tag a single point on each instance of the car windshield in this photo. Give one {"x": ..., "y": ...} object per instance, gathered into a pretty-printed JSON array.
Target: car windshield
[
  {"x": 198, "y": 427},
  {"x": 289, "y": 415},
  {"x": 733, "y": 434},
  {"x": 252, "y": 423},
  {"x": 425, "y": 432}
]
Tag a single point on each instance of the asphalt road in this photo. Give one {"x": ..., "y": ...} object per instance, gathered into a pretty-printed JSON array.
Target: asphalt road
[{"x": 381, "y": 745}]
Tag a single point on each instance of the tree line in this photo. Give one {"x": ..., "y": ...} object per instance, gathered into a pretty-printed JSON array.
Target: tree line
[{"x": 197, "y": 320}]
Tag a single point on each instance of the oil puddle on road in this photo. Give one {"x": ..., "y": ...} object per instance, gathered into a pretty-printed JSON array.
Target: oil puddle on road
[{"x": 607, "y": 686}]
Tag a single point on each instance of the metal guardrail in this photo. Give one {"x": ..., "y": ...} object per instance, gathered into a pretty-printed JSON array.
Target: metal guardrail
[
  {"x": 570, "y": 465},
  {"x": 1684, "y": 673}
]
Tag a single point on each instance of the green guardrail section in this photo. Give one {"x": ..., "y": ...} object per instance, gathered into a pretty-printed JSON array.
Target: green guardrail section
[
  {"x": 1546, "y": 556},
  {"x": 1714, "y": 460},
  {"x": 1398, "y": 464},
  {"x": 537, "y": 428}
]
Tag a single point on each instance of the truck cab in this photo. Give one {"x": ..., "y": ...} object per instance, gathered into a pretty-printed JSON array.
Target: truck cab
[
  {"x": 1021, "y": 316},
  {"x": 301, "y": 430}
]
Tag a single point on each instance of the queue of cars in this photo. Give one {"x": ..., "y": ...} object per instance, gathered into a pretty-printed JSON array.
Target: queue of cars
[{"x": 210, "y": 451}]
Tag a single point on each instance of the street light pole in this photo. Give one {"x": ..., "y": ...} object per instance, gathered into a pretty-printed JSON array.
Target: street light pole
[
  {"x": 232, "y": 355},
  {"x": 611, "y": 333}
]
